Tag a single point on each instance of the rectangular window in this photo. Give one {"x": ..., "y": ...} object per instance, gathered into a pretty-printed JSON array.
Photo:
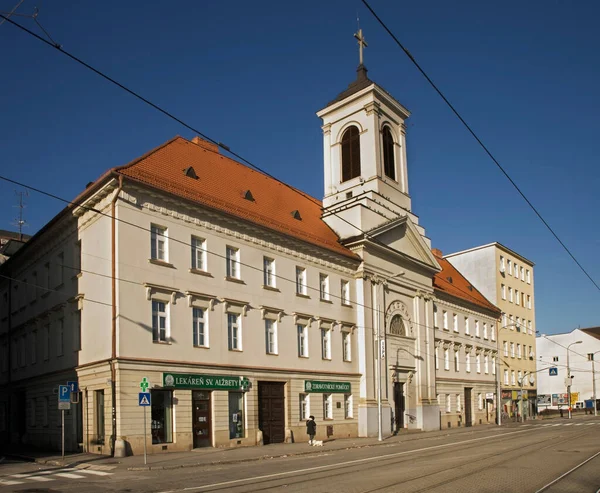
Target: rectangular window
[
  {"x": 530, "y": 327},
  {"x": 455, "y": 322},
  {"x": 199, "y": 328},
  {"x": 304, "y": 407},
  {"x": 347, "y": 346},
  {"x": 513, "y": 378},
  {"x": 486, "y": 364},
  {"x": 301, "y": 281},
  {"x": 517, "y": 297},
  {"x": 518, "y": 324},
  {"x": 160, "y": 322},
  {"x": 60, "y": 337},
  {"x": 324, "y": 286},
  {"x": 506, "y": 349},
  {"x": 528, "y": 276},
  {"x": 348, "y": 413},
  {"x": 504, "y": 320},
  {"x": 325, "y": 343},
  {"x": 478, "y": 363},
  {"x": 503, "y": 291},
  {"x": 46, "y": 341},
  {"x": 99, "y": 402},
  {"x": 233, "y": 262},
  {"x": 485, "y": 330},
  {"x": 448, "y": 403},
  {"x": 77, "y": 258},
  {"x": 467, "y": 328},
  {"x": 161, "y": 422},
  {"x": 458, "y": 409},
  {"x": 345, "y": 293},
  {"x": 48, "y": 279},
  {"x": 456, "y": 361},
  {"x": 555, "y": 359},
  {"x": 445, "y": 317},
  {"x": 516, "y": 270},
  {"x": 480, "y": 401},
  {"x": 509, "y": 266},
  {"x": 512, "y": 349},
  {"x": 519, "y": 378},
  {"x": 519, "y": 351},
  {"x": 437, "y": 358},
  {"x": 502, "y": 267},
  {"x": 236, "y": 415},
  {"x": 493, "y": 331},
  {"x": 510, "y": 294},
  {"x": 34, "y": 347},
  {"x": 468, "y": 362},
  {"x": 271, "y": 336},
  {"x": 505, "y": 377},
  {"x": 529, "y": 302},
  {"x": 476, "y": 328},
  {"x": 435, "y": 317},
  {"x": 77, "y": 330},
  {"x": 446, "y": 359},
  {"x": 530, "y": 353},
  {"x": 158, "y": 243},
  {"x": 522, "y": 273},
  {"x": 234, "y": 332},
  {"x": 269, "y": 272},
  {"x": 33, "y": 287},
  {"x": 302, "y": 331},
  {"x": 493, "y": 365},
  {"x": 199, "y": 253},
  {"x": 60, "y": 268},
  {"x": 327, "y": 406}
]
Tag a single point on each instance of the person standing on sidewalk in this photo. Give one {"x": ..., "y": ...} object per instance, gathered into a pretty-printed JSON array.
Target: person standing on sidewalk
[{"x": 311, "y": 429}]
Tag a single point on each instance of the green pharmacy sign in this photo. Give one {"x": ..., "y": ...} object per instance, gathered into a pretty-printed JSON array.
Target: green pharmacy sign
[
  {"x": 316, "y": 386},
  {"x": 205, "y": 382}
]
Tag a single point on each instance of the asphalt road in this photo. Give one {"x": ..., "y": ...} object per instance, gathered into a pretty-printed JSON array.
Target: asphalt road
[{"x": 538, "y": 457}]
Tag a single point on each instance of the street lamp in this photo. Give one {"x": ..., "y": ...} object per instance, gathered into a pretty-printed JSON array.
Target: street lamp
[
  {"x": 591, "y": 356},
  {"x": 569, "y": 377}
]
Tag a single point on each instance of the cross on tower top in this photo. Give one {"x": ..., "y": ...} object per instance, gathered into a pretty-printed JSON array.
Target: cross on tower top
[{"x": 361, "y": 43}]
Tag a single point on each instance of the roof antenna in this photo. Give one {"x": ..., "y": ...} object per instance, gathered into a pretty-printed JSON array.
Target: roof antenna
[{"x": 20, "y": 222}]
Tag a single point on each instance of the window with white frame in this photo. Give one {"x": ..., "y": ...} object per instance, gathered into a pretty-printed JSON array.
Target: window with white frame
[
  {"x": 505, "y": 344},
  {"x": 516, "y": 270},
  {"x": 302, "y": 331},
  {"x": 476, "y": 328},
  {"x": 347, "y": 346},
  {"x": 528, "y": 276},
  {"x": 435, "y": 316},
  {"x": 509, "y": 266},
  {"x": 158, "y": 243},
  {"x": 304, "y": 407},
  {"x": 458, "y": 408},
  {"x": 327, "y": 406},
  {"x": 448, "y": 403},
  {"x": 513, "y": 377},
  {"x": 493, "y": 365},
  {"x": 504, "y": 320},
  {"x": 271, "y": 336},
  {"x": 199, "y": 327},
  {"x": 517, "y": 297},
  {"x": 510, "y": 294},
  {"x": 437, "y": 358},
  {"x": 486, "y": 364},
  {"x": 456, "y": 360},
  {"x": 502, "y": 267},
  {"x": 468, "y": 362},
  {"x": 455, "y": 322},
  {"x": 512, "y": 349},
  {"x": 325, "y": 343},
  {"x": 512, "y": 322},
  {"x": 446, "y": 359},
  {"x": 301, "y": 281},
  {"x": 518, "y": 351},
  {"x": 445, "y": 319},
  {"x": 467, "y": 328},
  {"x": 530, "y": 327},
  {"x": 324, "y": 286},
  {"x": 160, "y": 321},
  {"x": 478, "y": 363},
  {"x": 345, "y": 292},
  {"x": 505, "y": 377},
  {"x": 530, "y": 353},
  {"x": 232, "y": 255},
  {"x": 234, "y": 332},
  {"x": 503, "y": 291},
  {"x": 268, "y": 272},
  {"x": 529, "y": 302},
  {"x": 518, "y": 324},
  {"x": 493, "y": 331},
  {"x": 485, "y": 330},
  {"x": 198, "y": 253},
  {"x": 348, "y": 413},
  {"x": 522, "y": 273},
  {"x": 519, "y": 378}
]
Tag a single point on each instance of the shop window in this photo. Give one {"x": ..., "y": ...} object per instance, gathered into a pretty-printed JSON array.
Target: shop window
[
  {"x": 304, "y": 410},
  {"x": 327, "y": 406},
  {"x": 348, "y": 406},
  {"x": 162, "y": 416},
  {"x": 99, "y": 400},
  {"x": 236, "y": 415}
]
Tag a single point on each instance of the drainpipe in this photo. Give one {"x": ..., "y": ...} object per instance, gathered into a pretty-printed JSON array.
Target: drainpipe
[{"x": 113, "y": 247}]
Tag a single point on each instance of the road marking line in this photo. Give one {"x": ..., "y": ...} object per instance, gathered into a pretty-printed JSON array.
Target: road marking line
[
  {"x": 40, "y": 478},
  {"x": 543, "y": 488},
  {"x": 559, "y": 424},
  {"x": 5, "y": 482},
  {"x": 568, "y": 424},
  {"x": 549, "y": 424},
  {"x": 69, "y": 475},
  {"x": 20, "y": 476},
  {"x": 97, "y": 473},
  {"x": 355, "y": 461},
  {"x": 579, "y": 424},
  {"x": 590, "y": 424}
]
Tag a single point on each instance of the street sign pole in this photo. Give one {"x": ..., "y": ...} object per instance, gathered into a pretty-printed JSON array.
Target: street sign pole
[
  {"x": 145, "y": 437},
  {"x": 62, "y": 412}
]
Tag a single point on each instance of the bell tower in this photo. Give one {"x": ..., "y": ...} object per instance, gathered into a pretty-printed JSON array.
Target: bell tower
[{"x": 364, "y": 143}]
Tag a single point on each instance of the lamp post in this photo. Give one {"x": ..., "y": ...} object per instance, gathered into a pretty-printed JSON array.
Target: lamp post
[
  {"x": 591, "y": 356},
  {"x": 569, "y": 377}
]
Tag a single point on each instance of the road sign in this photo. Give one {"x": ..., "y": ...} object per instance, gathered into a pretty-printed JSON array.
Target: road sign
[
  {"x": 73, "y": 387},
  {"x": 144, "y": 384},
  {"x": 64, "y": 405},
  {"x": 64, "y": 393},
  {"x": 144, "y": 398},
  {"x": 553, "y": 371}
]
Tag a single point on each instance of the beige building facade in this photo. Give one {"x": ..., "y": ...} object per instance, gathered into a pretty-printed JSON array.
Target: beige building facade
[{"x": 506, "y": 278}]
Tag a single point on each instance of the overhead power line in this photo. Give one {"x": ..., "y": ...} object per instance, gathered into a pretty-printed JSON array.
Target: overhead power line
[{"x": 479, "y": 141}]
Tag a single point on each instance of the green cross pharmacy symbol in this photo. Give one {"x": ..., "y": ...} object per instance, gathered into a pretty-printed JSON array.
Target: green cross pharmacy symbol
[{"x": 144, "y": 384}]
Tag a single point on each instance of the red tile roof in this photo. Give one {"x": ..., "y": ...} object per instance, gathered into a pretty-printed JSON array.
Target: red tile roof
[
  {"x": 222, "y": 183},
  {"x": 452, "y": 282}
]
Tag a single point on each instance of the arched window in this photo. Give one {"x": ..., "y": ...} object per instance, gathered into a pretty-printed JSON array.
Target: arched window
[
  {"x": 397, "y": 326},
  {"x": 388, "y": 154},
  {"x": 350, "y": 154}
]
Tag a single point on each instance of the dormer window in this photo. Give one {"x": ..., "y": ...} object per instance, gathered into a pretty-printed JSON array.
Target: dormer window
[
  {"x": 350, "y": 154},
  {"x": 389, "y": 166}
]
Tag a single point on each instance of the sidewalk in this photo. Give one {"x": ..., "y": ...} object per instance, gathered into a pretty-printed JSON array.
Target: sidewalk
[{"x": 212, "y": 456}]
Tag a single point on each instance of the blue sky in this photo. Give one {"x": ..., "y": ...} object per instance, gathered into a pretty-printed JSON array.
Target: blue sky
[{"x": 525, "y": 75}]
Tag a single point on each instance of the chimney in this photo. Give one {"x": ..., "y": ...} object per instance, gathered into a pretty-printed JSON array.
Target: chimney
[{"x": 209, "y": 146}]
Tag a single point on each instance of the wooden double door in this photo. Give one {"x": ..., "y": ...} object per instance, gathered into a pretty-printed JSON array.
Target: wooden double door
[
  {"x": 201, "y": 411},
  {"x": 271, "y": 411}
]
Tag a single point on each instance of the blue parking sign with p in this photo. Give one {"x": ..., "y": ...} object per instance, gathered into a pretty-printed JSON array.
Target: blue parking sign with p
[{"x": 64, "y": 393}]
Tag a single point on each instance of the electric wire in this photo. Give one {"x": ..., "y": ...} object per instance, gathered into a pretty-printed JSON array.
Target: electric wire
[{"x": 479, "y": 141}]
